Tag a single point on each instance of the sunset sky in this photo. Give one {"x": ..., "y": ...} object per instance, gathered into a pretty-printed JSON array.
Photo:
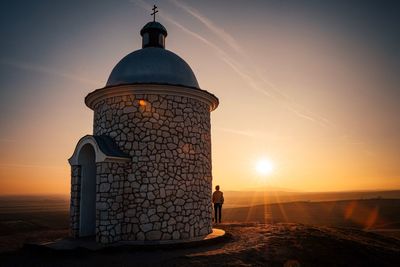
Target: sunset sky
[{"x": 310, "y": 86}]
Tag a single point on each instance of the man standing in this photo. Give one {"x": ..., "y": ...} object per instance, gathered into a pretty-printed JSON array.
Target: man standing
[{"x": 218, "y": 200}]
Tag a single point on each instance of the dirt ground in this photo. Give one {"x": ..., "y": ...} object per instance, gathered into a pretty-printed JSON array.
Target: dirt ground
[{"x": 246, "y": 244}]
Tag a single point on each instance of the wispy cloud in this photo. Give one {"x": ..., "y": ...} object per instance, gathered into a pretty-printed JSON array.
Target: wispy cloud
[
  {"x": 238, "y": 132},
  {"x": 242, "y": 65},
  {"x": 226, "y": 37},
  {"x": 163, "y": 15},
  {"x": 18, "y": 165},
  {"x": 248, "y": 74},
  {"x": 5, "y": 140},
  {"x": 46, "y": 70},
  {"x": 256, "y": 134}
]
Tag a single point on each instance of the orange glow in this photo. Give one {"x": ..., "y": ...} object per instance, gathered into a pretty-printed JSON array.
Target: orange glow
[
  {"x": 34, "y": 180},
  {"x": 142, "y": 103}
]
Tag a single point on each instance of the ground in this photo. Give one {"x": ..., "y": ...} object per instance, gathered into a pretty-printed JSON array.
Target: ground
[
  {"x": 331, "y": 233},
  {"x": 246, "y": 244}
]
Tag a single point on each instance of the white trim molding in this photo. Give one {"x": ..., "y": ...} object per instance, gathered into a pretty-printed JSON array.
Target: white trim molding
[
  {"x": 100, "y": 156},
  {"x": 152, "y": 89}
]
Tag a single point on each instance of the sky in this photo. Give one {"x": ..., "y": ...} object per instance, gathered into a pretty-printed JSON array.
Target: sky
[{"x": 312, "y": 87}]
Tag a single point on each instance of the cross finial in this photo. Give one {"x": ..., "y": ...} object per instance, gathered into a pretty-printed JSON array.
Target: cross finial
[{"x": 154, "y": 12}]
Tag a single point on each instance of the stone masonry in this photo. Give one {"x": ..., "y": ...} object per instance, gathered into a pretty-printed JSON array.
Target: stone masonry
[
  {"x": 75, "y": 200},
  {"x": 164, "y": 192}
]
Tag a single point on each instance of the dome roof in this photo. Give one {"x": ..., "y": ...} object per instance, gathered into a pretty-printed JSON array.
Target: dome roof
[
  {"x": 153, "y": 25},
  {"x": 152, "y": 65}
]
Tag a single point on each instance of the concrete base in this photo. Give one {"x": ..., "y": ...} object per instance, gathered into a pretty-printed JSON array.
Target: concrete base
[{"x": 70, "y": 244}]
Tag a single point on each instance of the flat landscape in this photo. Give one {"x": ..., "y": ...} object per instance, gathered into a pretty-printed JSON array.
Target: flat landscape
[{"x": 303, "y": 232}]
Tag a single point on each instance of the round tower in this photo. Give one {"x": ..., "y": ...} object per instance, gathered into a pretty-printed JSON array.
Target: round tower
[{"x": 146, "y": 170}]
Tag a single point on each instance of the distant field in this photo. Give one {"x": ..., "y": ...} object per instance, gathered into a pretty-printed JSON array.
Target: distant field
[
  {"x": 364, "y": 214},
  {"x": 32, "y": 218},
  {"x": 25, "y": 219},
  {"x": 17, "y": 204},
  {"x": 235, "y": 199}
]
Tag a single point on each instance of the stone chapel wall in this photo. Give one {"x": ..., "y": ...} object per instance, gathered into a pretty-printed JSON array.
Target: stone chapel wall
[
  {"x": 110, "y": 202},
  {"x": 75, "y": 200},
  {"x": 166, "y": 190}
]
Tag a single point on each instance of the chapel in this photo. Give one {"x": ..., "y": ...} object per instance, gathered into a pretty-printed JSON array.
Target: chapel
[{"x": 144, "y": 174}]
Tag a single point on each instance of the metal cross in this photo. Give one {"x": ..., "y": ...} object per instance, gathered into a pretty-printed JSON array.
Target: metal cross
[{"x": 154, "y": 12}]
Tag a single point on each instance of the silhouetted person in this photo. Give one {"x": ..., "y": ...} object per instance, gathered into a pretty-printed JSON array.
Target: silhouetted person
[{"x": 218, "y": 200}]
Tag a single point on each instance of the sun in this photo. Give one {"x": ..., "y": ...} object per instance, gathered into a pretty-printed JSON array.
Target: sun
[{"x": 264, "y": 167}]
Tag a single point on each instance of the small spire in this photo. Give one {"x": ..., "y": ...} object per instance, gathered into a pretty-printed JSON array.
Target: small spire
[
  {"x": 154, "y": 12},
  {"x": 153, "y": 33}
]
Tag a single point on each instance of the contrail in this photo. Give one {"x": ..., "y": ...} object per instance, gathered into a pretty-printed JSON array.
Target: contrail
[
  {"x": 4, "y": 140},
  {"x": 274, "y": 93},
  {"x": 238, "y": 132},
  {"x": 228, "y": 39},
  {"x": 285, "y": 102},
  {"x": 12, "y": 165},
  {"x": 46, "y": 70}
]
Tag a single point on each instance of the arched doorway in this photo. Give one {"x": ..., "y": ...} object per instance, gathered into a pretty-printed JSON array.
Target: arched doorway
[
  {"x": 87, "y": 216},
  {"x": 90, "y": 152}
]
